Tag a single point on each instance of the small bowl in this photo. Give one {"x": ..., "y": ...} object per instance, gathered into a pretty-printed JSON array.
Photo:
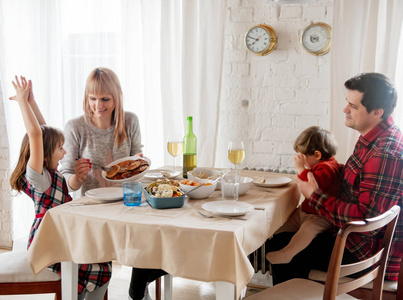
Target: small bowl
[
  {"x": 201, "y": 193},
  {"x": 163, "y": 203},
  {"x": 209, "y": 175},
  {"x": 212, "y": 174},
  {"x": 244, "y": 183}
]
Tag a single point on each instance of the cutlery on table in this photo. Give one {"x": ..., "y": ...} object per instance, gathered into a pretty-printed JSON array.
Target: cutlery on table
[{"x": 213, "y": 216}]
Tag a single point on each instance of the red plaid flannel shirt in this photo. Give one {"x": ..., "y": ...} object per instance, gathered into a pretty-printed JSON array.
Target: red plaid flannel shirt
[{"x": 372, "y": 184}]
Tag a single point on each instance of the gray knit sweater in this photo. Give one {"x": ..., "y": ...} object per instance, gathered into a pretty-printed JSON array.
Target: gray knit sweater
[{"x": 83, "y": 139}]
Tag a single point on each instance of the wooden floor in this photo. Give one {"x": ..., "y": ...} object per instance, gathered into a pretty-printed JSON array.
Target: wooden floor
[{"x": 183, "y": 289}]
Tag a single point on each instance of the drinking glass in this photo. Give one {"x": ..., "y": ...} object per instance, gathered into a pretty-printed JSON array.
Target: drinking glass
[
  {"x": 174, "y": 147},
  {"x": 236, "y": 152}
]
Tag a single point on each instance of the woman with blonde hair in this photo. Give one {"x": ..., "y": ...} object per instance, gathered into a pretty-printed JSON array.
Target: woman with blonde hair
[{"x": 103, "y": 134}]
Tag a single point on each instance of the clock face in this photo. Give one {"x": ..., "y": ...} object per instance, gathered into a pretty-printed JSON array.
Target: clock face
[
  {"x": 257, "y": 39},
  {"x": 316, "y": 39}
]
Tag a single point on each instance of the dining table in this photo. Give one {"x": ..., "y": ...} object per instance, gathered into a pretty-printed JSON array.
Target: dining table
[{"x": 179, "y": 241}]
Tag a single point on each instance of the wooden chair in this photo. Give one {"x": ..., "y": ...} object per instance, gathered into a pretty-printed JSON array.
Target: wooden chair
[
  {"x": 392, "y": 290},
  {"x": 300, "y": 289},
  {"x": 17, "y": 278}
]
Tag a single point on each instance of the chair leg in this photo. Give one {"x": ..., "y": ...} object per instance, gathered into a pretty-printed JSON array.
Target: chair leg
[{"x": 158, "y": 289}]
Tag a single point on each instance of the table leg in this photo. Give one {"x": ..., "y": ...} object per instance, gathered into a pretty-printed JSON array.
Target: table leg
[
  {"x": 224, "y": 290},
  {"x": 69, "y": 280},
  {"x": 168, "y": 287}
]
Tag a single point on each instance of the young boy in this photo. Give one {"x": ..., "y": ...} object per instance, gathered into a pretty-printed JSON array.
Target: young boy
[{"x": 315, "y": 148}]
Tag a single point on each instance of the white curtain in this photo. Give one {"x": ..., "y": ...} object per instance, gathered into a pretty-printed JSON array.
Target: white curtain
[
  {"x": 366, "y": 35},
  {"x": 167, "y": 54}
]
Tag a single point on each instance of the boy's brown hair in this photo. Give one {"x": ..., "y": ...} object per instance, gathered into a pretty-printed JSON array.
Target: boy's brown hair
[{"x": 316, "y": 138}]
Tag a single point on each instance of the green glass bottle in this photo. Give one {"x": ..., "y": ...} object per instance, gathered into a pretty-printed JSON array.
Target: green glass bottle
[{"x": 189, "y": 149}]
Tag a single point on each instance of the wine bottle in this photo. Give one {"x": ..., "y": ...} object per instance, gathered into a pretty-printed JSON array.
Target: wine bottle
[{"x": 189, "y": 149}]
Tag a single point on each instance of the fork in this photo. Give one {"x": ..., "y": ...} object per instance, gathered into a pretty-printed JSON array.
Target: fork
[
  {"x": 106, "y": 169},
  {"x": 212, "y": 216}
]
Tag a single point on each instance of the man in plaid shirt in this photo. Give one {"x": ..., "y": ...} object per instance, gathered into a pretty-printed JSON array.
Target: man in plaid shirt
[{"x": 372, "y": 182}]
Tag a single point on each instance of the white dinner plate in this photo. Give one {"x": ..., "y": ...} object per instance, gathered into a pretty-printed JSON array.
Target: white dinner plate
[
  {"x": 156, "y": 174},
  {"x": 228, "y": 208},
  {"x": 133, "y": 178},
  {"x": 273, "y": 181},
  {"x": 106, "y": 193}
]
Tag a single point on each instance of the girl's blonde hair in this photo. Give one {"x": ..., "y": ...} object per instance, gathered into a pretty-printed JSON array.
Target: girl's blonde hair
[
  {"x": 52, "y": 138},
  {"x": 105, "y": 81},
  {"x": 316, "y": 138}
]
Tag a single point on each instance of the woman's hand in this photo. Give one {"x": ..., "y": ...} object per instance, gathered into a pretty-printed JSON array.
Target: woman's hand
[
  {"x": 139, "y": 154},
  {"x": 307, "y": 187},
  {"x": 81, "y": 169},
  {"x": 299, "y": 162}
]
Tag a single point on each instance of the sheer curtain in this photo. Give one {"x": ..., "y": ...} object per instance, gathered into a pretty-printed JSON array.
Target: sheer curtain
[
  {"x": 366, "y": 35},
  {"x": 167, "y": 54}
]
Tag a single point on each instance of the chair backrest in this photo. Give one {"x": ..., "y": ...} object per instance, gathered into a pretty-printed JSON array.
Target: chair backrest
[{"x": 378, "y": 261}]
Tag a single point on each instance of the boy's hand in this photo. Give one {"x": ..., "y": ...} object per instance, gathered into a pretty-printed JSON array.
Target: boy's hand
[{"x": 299, "y": 162}]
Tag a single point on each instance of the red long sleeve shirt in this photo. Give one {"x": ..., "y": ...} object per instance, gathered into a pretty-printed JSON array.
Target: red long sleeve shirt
[
  {"x": 372, "y": 184},
  {"x": 328, "y": 177}
]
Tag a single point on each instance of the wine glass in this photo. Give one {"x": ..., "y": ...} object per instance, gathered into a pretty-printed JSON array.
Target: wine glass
[
  {"x": 236, "y": 152},
  {"x": 174, "y": 146}
]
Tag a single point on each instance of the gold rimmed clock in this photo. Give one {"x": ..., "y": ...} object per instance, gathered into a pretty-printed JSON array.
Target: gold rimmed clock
[
  {"x": 315, "y": 38},
  {"x": 261, "y": 39}
]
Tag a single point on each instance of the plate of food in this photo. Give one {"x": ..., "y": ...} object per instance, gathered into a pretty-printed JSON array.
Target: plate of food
[
  {"x": 272, "y": 181},
  {"x": 105, "y": 193},
  {"x": 161, "y": 174},
  {"x": 228, "y": 208},
  {"x": 129, "y": 168}
]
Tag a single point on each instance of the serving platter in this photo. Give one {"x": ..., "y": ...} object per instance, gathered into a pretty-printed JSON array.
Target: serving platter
[
  {"x": 105, "y": 194},
  {"x": 133, "y": 178},
  {"x": 228, "y": 208},
  {"x": 273, "y": 181}
]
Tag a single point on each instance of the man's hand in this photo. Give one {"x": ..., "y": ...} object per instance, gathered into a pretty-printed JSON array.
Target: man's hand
[{"x": 307, "y": 187}]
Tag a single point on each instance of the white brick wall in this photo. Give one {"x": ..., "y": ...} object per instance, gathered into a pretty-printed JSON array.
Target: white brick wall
[
  {"x": 6, "y": 218},
  {"x": 286, "y": 91}
]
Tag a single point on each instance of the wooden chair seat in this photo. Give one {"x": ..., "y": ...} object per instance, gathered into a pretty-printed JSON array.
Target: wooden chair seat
[
  {"x": 17, "y": 278},
  {"x": 334, "y": 288}
]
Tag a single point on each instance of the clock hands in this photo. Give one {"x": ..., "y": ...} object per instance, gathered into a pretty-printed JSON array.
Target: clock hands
[{"x": 255, "y": 39}]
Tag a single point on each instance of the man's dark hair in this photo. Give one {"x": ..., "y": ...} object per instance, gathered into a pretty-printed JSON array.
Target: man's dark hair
[{"x": 378, "y": 90}]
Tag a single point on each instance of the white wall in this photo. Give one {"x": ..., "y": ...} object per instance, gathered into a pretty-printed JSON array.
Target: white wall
[
  {"x": 267, "y": 101},
  {"x": 5, "y": 197}
]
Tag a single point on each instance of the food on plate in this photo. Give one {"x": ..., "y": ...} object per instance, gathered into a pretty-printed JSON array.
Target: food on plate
[
  {"x": 261, "y": 180},
  {"x": 203, "y": 175},
  {"x": 112, "y": 172},
  {"x": 127, "y": 169},
  {"x": 192, "y": 183},
  {"x": 164, "y": 188}
]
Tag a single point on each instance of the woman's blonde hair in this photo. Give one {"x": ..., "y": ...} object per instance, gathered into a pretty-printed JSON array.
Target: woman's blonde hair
[
  {"x": 52, "y": 138},
  {"x": 316, "y": 138},
  {"x": 105, "y": 81}
]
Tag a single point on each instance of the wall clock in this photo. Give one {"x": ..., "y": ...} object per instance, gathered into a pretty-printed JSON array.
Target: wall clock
[
  {"x": 261, "y": 39},
  {"x": 316, "y": 38}
]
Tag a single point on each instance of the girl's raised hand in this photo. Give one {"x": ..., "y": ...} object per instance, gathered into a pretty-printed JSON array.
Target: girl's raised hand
[{"x": 22, "y": 89}]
